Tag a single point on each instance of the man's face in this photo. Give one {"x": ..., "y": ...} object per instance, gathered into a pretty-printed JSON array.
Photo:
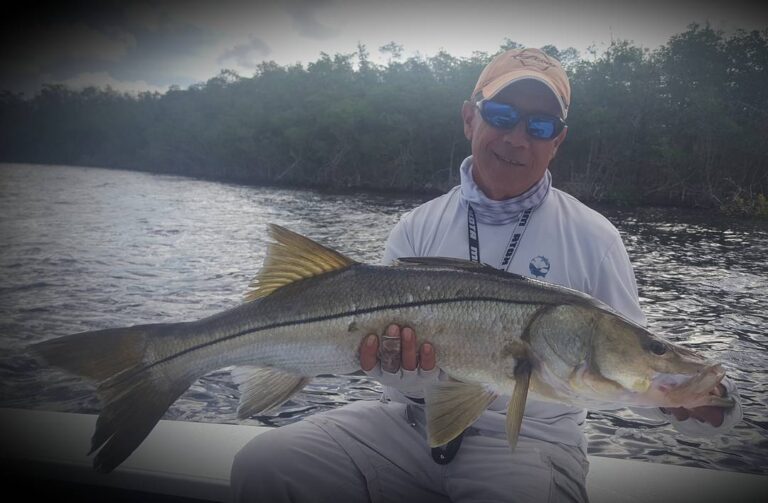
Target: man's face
[{"x": 506, "y": 162}]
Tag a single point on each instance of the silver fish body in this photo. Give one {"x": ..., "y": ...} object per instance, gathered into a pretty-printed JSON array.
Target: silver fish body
[
  {"x": 316, "y": 326},
  {"x": 494, "y": 333}
]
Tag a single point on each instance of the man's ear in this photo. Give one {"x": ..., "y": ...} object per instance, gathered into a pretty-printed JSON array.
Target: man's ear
[
  {"x": 467, "y": 115},
  {"x": 559, "y": 141}
]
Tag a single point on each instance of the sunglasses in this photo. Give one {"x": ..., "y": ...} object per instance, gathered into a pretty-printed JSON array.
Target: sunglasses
[{"x": 505, "y": 116}]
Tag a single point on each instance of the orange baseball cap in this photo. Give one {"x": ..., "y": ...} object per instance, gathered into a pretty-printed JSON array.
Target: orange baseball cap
[{"x": 518, "y": 64}]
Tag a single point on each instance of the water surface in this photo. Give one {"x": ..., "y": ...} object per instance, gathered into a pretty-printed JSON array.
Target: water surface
[{"x": 84, "y": 249}]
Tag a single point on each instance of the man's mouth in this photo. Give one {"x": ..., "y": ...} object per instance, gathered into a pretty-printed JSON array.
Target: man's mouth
[{"x": 510, "y": 162}]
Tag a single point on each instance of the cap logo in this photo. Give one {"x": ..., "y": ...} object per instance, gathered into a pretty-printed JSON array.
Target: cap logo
[{"x": 527, "y": 59}]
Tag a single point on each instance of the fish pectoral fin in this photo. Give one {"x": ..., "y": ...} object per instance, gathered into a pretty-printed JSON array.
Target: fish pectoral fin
[
  {"x": 452, "y": 407},
  {"x": 264, "y": 388},
  {"x": 516, "y": 406},
  {"x": 292, "y": 257}
]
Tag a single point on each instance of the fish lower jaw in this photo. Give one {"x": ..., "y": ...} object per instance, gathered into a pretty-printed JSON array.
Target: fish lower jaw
[{"x": 686, "y": 390}]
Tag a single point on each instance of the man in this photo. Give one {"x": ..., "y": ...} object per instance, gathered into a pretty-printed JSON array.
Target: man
[{"x": 504, "y": 213}]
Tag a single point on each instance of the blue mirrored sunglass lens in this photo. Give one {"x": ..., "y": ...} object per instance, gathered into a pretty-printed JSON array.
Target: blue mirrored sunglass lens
[
  {"x": 505, "y": 116},
  {"x": 500, "y": 115},
  {"x": 541, "y": 128}
]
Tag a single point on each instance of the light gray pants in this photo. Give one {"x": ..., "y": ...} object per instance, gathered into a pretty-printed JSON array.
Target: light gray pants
[{"x": 368, "y": 451}]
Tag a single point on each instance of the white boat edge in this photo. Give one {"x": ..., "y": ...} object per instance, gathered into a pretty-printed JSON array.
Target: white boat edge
[{"x": 193, "y": 460}]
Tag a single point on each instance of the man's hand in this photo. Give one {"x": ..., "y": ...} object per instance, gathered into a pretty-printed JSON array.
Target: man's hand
[
  {"x": 399, "y": 348},
  {"x": 708, "y": 414}
]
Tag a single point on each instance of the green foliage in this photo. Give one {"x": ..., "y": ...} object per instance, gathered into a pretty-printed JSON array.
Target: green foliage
[
  {"x": 685, "y": 124},
  {"x": 682, "y": 125},
  {"x": 750, "y": 205}
]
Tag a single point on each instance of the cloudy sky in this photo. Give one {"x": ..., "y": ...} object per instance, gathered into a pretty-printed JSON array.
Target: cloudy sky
[{"x": 152, "y": 44}]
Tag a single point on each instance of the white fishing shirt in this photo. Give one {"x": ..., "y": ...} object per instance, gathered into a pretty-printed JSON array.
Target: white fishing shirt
[{"x": 565, "y": 243}]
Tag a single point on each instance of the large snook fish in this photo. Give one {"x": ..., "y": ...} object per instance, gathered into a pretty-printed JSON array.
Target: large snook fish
[{"x": 493, "y": 332}]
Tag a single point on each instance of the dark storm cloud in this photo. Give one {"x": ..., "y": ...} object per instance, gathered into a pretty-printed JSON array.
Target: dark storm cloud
[
  {"x": 248, "y": 55},
  {"x": 57, "y": 42},
  {"x": 156, "y": 47},
  {"x": 163, "y": 42},
  {"x": 304, "y": 16}
]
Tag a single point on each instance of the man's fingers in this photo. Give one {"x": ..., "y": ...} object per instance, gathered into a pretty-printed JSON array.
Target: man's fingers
[
  {"x": 410, "y": 356},
  {"x": 681, "y": 414},
  {"x": 395, "y": 349},
  {"x": 390, "y": 353},
  {"x": 709, "y": 414},
  {"x": 369, "y": 350},
  {"x": 427, "y": 356}
]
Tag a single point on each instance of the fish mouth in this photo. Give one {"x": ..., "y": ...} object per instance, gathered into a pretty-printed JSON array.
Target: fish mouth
[{"x": 690, "y": 391}]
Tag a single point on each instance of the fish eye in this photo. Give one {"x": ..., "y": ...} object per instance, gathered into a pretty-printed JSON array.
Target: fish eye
[{"x": 658, "y": 347}]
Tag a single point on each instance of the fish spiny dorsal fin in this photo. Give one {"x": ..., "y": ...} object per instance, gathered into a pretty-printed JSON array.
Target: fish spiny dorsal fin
[{"x": 292, "y": 257}]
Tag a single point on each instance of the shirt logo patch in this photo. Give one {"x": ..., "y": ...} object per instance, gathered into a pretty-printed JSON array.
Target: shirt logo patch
[{"x": 539, "y": 266}]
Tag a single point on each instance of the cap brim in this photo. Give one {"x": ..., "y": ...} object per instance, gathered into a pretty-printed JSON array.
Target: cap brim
[{"x": 496, "y": 85}]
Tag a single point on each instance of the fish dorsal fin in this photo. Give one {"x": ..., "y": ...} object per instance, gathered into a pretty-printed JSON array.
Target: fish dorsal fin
[
  {"x": 457, "y": 263},
  {"x": 443, "y": 262},
  {"x": 292, "y": 257}
]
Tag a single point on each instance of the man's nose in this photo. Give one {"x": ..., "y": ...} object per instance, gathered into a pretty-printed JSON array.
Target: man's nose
[{"x": 517, "y": 136}]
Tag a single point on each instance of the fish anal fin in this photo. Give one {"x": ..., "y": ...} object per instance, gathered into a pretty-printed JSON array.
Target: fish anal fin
[
  {"x": 264, "y": 388},
  {"x": 292, "y": 257},
  {"x": 452, "y": 407},
  {"x": 516, "y": 406}
]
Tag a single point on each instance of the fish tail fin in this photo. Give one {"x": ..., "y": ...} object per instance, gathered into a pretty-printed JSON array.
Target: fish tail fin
[{"x": 134, "y": 384}]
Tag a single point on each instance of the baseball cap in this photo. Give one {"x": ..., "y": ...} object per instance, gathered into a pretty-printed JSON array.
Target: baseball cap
[{"x": 518, "y": 64}]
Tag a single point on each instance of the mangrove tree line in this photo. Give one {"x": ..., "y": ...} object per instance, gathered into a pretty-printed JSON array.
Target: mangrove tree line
[{"x": 685, "y": 124}]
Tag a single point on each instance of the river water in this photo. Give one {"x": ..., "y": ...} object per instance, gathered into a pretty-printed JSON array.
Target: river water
[{"x": 85, "y": 249}]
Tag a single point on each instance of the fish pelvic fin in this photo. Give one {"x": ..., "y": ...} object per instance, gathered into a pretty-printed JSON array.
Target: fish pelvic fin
[
  {"x": 134, "y": 391},
  {"x": 452, "y": 407},
  {"x": 516, "y": 406},
  {"x": 292, "y": 257},
  {"x": 263, "y": 389}
]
